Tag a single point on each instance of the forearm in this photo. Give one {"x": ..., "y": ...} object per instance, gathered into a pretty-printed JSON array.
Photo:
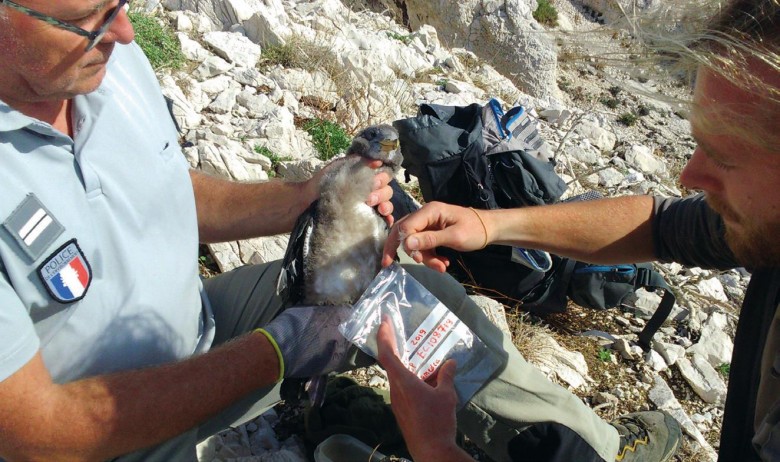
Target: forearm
[
  {"x": 230, "y": 210},
  {"x": 615, "y": 230},
  {"x": 105, "y": 416}
]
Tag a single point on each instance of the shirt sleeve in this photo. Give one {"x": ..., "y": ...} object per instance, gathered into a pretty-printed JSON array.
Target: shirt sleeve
[
  {"x": 689, "y": 232},
  {"x": 18, "y": 339}
]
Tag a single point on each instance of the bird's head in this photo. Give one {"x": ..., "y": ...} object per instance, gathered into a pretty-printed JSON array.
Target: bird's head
[{"x": 378, "y": 142}]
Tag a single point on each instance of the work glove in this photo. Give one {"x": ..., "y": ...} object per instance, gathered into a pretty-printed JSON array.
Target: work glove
[{"x": 308, "y": 342}]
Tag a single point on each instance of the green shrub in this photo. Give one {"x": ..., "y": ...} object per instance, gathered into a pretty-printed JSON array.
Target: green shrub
[
  {"x": 724, "y": 369},
  {"x": 329, "y": 138},
  {"x": 287, "y": 55},
  {"x": 274, "y": 158},
  {"x": 627, "y": 118},
  {"x": 158, "y": 42},
  {"x": 546, "y": 13},
  {"x": 301, "y": 53},
  {"x": 405, "y": 39},
  {"x": 611, "y": 103},
  {"x": 605, "y": 355}
]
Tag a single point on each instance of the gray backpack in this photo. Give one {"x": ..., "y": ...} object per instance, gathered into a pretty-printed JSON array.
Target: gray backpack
[{"x": 482, "y": 157}]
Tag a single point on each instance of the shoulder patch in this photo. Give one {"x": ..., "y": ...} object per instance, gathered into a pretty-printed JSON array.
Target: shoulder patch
[
  {"x": 66, "y": 273},
  {"x": 33, "y": 227}
]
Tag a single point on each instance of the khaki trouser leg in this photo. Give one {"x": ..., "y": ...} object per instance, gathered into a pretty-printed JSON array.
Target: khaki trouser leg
[
  {"x": 520, "y": 395},
  {"x": 242, "y": 300}
]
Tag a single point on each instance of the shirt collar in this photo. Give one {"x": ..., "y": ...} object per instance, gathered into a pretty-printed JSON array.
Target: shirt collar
[{"x": 11, "y": 119}]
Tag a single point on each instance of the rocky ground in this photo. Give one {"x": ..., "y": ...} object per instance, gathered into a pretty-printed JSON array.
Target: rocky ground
[{"x": 611, "y": 128}]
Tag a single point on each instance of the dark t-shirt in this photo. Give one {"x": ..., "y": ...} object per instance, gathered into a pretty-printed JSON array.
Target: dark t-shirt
[{"x": 688, "y": 231}]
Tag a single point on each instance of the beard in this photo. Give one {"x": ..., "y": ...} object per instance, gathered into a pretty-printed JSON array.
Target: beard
[{"x": 755, "y": 243}]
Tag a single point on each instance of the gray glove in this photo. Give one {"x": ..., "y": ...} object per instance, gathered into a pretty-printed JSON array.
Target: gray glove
[{"x": 308, "y": 341}]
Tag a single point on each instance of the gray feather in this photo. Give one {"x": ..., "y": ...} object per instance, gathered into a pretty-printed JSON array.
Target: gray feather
[{"x": 348, "y": 235}]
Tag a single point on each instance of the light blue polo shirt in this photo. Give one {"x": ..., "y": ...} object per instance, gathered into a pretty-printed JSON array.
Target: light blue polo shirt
[{"x": 98, "y": 234}]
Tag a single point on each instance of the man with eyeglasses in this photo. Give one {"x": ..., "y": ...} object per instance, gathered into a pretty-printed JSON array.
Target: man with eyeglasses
[
  {"x": 109, "y": 341},
  {"x": 110, "y": 345}
]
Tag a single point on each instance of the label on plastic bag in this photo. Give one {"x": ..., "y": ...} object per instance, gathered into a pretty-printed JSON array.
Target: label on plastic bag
[{"x": 427, "y": 332}]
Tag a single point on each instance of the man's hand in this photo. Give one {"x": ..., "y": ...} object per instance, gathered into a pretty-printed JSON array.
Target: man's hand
[
  {"x": 437, "y": 224},
  {"x": 382, "y": 192},
  {"x": 307, "y": 340},
  {"x": 424, "y": 412}
]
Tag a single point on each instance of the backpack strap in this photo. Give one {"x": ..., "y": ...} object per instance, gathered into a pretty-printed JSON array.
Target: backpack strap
[{"x": 651, "y": 280}]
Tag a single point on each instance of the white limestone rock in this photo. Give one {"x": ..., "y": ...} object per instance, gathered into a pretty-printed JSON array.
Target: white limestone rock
[
  {"x": 602, "y": 139},
  {"x": 663, "y": 397},
  {"x": 610, "y": 177},
  {"x": 211, "y": 67},
  {"x": 655, "y": 361},
  {"x": 642, "y": 158},
  {"x": 713, "y": 288},
  {"x": 225, "y": 101},
  {"x": 234, "y": 48},
  {"x": 225, "y": 255},
  {"x": 186, "y": 114},
  {"x": 715, "y": 344},
  {"x": 305, "y": 83},
  {"x": 269, "y": 25},
  {"x": 494, "y": 311},
  {"x": 217, "y": 85},
  {"x": 703, "y": 378},
  {"x": 670, "y": 352},
  {"x": 568, "y": 366},
  {"x": 485, "y": 27},
  {"x": 191, "y": 49},
  {"x": 251, "y": 77},
  {"x": 263, "y": 249}
]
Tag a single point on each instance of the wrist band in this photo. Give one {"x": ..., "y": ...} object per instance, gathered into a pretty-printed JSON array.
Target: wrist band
[
  {"x": 484, "y": 228},
  {"x": 276, "y": 349}
]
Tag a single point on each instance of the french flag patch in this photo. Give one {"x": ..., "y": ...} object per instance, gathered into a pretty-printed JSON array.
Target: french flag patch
[{"x": 66, "y": 273}]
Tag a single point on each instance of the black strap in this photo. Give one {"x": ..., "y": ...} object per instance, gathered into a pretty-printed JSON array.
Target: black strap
[{"x": 651, "y": 280}]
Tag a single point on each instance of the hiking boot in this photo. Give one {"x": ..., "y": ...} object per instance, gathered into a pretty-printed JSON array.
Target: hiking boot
[{"x": 650, "y": 436}]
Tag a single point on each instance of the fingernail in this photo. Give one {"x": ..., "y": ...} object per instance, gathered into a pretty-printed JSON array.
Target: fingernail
[
  {"x": 377, "y": 183},
  {"x": 373, "y": 199},
  {"x": 412, "y": 243}
]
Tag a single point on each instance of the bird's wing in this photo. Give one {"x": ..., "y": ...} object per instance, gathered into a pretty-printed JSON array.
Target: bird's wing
[{"x": 290, "y": 285}]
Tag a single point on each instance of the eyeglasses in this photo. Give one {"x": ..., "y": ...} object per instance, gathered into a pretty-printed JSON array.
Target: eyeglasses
[{"x": 94, "y": 36}]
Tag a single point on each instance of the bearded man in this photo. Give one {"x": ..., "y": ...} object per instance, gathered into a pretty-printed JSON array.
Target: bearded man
[{"x": 734, "y": 222}]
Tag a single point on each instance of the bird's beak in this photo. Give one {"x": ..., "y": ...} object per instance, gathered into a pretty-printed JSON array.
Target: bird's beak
[{"x": 389, "y": 145}]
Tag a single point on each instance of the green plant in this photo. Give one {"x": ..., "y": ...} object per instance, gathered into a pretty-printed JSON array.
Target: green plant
[
  {"x": 546, "y": 13},
  {"x": 724, "y": 369},
  {"x": 302, "y": 53},
  {"x": 442, "y": 82},
  {"x": 564, "y": 84},
  {"x": 614, "y": 91},
  {"x": 158, "y": 42},
  {"x": 405, "y": 39},
  {"x": 627, "y": 118},
  {"x": 604, "y": 355},
  {"x": 611, "y": 103},
  {"x": 273, "y": 157},
  {"x": 285, "y": 55},
  {"x": 329, "y": 138}
]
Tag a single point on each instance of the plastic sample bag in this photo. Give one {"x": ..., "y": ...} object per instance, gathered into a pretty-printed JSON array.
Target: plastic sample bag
[{"x": 427, "y": 332}]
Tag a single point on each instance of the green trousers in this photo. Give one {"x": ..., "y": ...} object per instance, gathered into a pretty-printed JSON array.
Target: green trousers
[{"x": 518, "y": 397}]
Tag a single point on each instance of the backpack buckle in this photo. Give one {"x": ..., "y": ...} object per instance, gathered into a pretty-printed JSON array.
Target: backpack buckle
[{"x": 643, "y": 276}]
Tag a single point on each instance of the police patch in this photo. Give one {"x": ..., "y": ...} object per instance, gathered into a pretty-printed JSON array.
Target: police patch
[{"x": 66, "y": 273}]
